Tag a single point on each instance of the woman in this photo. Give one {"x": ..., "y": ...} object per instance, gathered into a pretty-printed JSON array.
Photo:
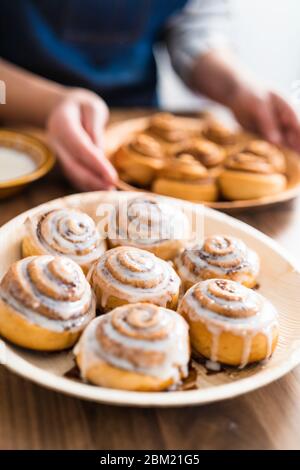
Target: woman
[{"x": 65, "y": 61}]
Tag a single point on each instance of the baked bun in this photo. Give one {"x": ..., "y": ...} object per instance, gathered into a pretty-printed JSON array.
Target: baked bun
[
  {"x": 206, "y": 152},
  {"x": 170, "y": 129},
  {"x": 125, "y": 275},
  {"x": 139, "y": 160},
  {"x": 186, "y": 178},
  {"x": 65, "y": 232},
  {"x": 230, "y": 323},
  {"x": 135, "y": 347},
  {"x": 220, "y": 134},
  {"x": 255, "y": 171},
  {"x": 152, "y": 224},
  {"x": 45, "y": 303},
  {"x": 219, "y": 256}
]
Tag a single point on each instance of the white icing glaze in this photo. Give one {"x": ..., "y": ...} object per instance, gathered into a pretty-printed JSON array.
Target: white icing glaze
[
  {"x": 14, "y": 163},
  {"x": 67, "y": 232},
  {"x": 135, "y": 275},
  {"x": 173, "y": 346},
  {"x": 70, "y": 314},
  {"x": 230, "y": 256},
  {"x": 147, "y": 222},
  {"x": 263, "y": 321}
]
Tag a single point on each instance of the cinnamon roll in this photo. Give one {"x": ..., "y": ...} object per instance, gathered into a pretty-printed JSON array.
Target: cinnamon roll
[
  {"x": 151, "y": 223},
  {"x": 65, "y": 232},
  {"x": 186, "y": 178},
  {"x": 253, "y": 172},
  {"x": 135, "y": 347},
  {"x": 216, "y": 132},
  {"x": 126, "y": 275},
  {"x": 170, "y": 129},
  {"x": 45, "y": 303},
  {"x": 139, "y": 160},
  {"x": 207, "y": 153},
  {"x": 220, "y": 256},
  {"x": 230, "y": 323}
]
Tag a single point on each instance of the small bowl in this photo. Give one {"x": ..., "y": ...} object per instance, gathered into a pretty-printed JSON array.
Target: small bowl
[{"x": 34, "y": 148}]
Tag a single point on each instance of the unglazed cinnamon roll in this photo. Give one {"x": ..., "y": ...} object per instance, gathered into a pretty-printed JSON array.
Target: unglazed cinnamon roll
[
  {"x": 66, "y": 232},
  {"x": 207, "y": 153},
  {"x": 230, "y": 323},
  {"x": 45, "y": 303},
  {"x": 172, "y": 129},
  {"x": 151, "y": 223},
  {"x": 220, "y": 256},
  {"x": 186, "y": 178},
  {"x": 135, "y": 347},
  {"x": 139, "y": 160},
  {"x": 255, "y": 171},
  {"x": 126, "y": 275},
  {"x": 216, "y": 132}
]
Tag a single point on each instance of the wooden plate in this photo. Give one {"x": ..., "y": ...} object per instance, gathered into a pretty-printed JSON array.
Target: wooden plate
[
  {"x": 279, "y": 281},
  {"x": 36, "y": 149},
  {"x": 121, "y": 132}
]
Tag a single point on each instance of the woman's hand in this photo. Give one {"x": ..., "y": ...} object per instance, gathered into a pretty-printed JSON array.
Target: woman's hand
[
  {"x": 268, "y": 114},
  {"x": 75, "y": 129}
]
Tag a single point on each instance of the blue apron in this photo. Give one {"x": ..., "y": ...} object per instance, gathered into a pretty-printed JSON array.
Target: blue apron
[{"x": 103, "y": 45}]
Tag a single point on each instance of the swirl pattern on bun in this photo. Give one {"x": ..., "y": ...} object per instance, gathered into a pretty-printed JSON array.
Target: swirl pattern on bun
[
  {"x": 46, "y": 302},
  {"x": 220, "y": 256},
  {"x": 65, "y": 232},
  {"x": 150, "y": 223},
  {"x": 230, "y": 323},
  {"x": 136, "y": 347},
  {"x": 129, "y": 275}
]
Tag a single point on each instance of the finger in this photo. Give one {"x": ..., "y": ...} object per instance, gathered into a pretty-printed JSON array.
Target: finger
[
  {"x": 292, "y": 139},
  {"x": 80, "y": 176},
  {"x": 79, "y": 144},
  {"x": 267, "y": 124},
  {"x": 286, "y": 113},
  {"x": 94, "y": 119},
  {"x": 289, "y": 122}
]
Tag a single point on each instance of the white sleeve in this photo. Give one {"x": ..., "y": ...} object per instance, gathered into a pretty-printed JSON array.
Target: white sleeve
[{"x": 201, "y": 26}]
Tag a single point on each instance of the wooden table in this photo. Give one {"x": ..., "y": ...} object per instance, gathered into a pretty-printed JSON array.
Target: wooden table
[{"x": 34, "y": 418}]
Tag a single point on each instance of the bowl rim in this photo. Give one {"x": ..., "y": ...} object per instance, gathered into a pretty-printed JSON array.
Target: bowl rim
[{"x": 48, "y": 158}]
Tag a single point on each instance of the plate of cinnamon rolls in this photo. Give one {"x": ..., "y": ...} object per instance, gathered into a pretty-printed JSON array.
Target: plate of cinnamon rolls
[
  {"x": 139, "y": 299},
  {"x": 199, "y": 159}
]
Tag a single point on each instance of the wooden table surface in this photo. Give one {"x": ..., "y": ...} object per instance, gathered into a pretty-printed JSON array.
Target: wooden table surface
[{"x": 34, "y": 418}]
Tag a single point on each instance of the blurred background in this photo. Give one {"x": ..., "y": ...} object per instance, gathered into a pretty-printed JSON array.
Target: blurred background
[{"x": 265, "y": 36}]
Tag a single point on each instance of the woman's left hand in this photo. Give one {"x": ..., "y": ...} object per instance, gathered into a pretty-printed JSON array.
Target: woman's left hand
[{"x": 268, "y": 114}]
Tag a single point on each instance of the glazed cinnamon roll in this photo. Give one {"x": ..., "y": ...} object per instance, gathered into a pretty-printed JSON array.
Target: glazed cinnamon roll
[
  {"x": 45, "y": 303},
  {"x": 151, "y": 223},
  {"x": 172, "y": 129},
  {"x": 126, "y": 275},
  {"x": 253, "y": 172},
  {"x": 186, "y": 178},
  {"x": 139, "y": 160},
  {"x": 135, "y": 347},
  {"x": 230, "y": 323},
  {"x": 220, "y": 256},
  {"x": 65, "y": 232}
]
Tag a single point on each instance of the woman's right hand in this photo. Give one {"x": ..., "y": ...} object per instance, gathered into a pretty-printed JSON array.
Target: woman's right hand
[{"x": 76, "y": 129}]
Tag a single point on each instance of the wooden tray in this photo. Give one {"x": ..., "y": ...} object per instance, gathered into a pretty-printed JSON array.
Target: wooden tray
[
  {"x": 279, "y": 281},
  {"x": 122, "y": 132}
]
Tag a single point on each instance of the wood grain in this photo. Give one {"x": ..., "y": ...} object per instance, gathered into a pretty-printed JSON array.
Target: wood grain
[{"x": 34, "y": 418}]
